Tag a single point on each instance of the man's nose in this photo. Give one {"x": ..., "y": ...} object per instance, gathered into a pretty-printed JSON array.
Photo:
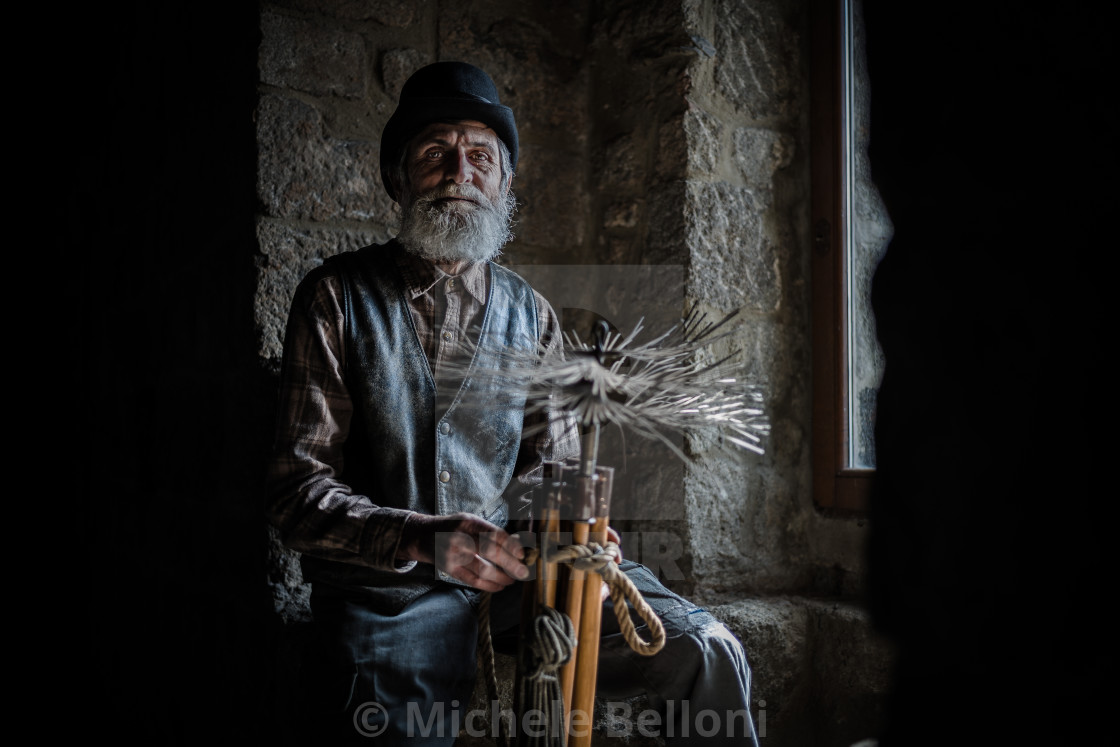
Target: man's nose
[{"x": 460, "y": 168}]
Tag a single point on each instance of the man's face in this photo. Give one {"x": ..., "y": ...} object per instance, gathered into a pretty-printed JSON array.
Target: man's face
[
  {"x": 455, "y": 206},
  {"x": 464, "y": 153}
]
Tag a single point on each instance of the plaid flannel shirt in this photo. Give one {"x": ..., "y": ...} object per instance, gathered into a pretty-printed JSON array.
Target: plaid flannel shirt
[{"x": 317, "y": 513}]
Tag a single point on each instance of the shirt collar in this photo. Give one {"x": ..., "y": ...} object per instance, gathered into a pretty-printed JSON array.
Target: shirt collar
[{"x": 420, "y": 276}]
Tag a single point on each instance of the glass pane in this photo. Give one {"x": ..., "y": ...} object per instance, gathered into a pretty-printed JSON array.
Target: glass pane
[{"x": 867, "y": 229}]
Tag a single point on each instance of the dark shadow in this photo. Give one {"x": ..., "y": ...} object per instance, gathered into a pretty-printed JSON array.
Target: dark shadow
[
  {"x": 175, "y": 616},
  {"x": 993, "y": 148}
]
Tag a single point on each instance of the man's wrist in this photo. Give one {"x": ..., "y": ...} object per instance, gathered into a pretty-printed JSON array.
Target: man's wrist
[
  {"x": 411, "y": 546},
  {"x": 406, "y": 540}
]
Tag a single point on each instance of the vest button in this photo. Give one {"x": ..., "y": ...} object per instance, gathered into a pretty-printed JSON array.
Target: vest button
[
  {"x": 445, "y": 476},
  {"x": 445, "y": 428}
]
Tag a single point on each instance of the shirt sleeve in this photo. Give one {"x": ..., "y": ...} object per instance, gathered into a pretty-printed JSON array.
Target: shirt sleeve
[
  {"x": 313, "y": 510},
  {"x": 548, "y": 434}
]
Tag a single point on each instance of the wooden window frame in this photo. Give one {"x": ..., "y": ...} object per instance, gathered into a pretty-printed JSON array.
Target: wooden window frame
[{"x": 837, "y": 488}]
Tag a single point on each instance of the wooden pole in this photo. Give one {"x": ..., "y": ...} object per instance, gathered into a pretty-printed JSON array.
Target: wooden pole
[
  {"x": 582, "y": 517},
  {"x": 582, "y": 710},
  {"x": 549, "y": 538}
]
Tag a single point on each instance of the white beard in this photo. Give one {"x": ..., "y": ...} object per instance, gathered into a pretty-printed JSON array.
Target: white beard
[{"x": 456, "y": 231}]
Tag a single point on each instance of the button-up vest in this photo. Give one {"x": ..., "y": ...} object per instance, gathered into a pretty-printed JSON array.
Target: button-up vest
[{"x": 411, "y": 446}]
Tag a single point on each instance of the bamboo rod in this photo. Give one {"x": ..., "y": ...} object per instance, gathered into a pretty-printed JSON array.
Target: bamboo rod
[
  {"x": 549, "y": 537},
  {"x": 582, "y": 709},
  {"x": 583, "y": 510},
  {"x": 547, "y": 571}
]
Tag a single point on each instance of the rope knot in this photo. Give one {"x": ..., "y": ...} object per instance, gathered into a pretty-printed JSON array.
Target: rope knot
[
  {"x": 595, "y": 557},
  {"x": 601, "y": 559},
  {"x": 552, "y": 643}
]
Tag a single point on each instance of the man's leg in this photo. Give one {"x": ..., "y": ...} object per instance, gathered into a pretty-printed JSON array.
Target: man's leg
[
  {"x": 400, "y": 678},
  {"x": 699, "y": 683}
]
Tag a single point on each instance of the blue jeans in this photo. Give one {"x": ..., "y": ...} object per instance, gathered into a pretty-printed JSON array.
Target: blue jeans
[{"x": 418, "y": 667}]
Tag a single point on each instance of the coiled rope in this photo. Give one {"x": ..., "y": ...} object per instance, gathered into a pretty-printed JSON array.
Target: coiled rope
[
  {"x": 485, "y": 649},
  {"x": 602, "y": 560},
  {"x": 552, "y": 639}
]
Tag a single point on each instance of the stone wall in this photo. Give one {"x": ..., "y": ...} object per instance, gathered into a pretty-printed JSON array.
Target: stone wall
[{"x": 664, "y": 168}]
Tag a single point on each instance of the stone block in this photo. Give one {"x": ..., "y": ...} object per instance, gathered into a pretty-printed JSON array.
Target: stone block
[
  {"x": 757, "y": 61},
  {"x": 758, "y": 153},
  {"x": 821, "y": 673},
  {"x": 396, "y": 67},
  {"x": 775, "y": 635},
  {"x": 852, "y": 667},
  {"x": 297, "y": 54},
  {"x": 734, "y": 263},
  {"x": 306, "y": 174},
  {"x": 704, "y": 133}
]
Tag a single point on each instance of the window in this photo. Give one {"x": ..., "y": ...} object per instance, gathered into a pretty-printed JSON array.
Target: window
[{"x": 850, "y": 232}]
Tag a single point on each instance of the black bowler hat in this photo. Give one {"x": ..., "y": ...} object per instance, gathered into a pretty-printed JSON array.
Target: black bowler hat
[{"x": 440, "y": 92}]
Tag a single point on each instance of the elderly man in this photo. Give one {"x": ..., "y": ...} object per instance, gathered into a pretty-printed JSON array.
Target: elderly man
[{"x": 397, "y": 495}]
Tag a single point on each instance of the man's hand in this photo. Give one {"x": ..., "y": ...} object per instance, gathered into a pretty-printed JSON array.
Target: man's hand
[{"x": 465, "y": 547}]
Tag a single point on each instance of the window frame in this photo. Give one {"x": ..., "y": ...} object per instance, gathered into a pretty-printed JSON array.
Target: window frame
[{"x": 836, "y": 487}]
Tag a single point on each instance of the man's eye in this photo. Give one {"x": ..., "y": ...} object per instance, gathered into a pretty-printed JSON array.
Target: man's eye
[{"x": 433, "y": 154}]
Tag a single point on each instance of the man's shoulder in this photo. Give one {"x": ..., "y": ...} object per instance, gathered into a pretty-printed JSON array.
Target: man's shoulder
[
  {"x": 338, "y": 269},
  {"x": 517, "y": 286},
  {"x": 372, "y": 254},
  {"x": 525, "y": 293},
  {"x": 345, "y": 263},
  {"x": 506, "y": 272}
]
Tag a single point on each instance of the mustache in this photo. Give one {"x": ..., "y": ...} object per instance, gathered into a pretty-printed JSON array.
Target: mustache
[{"x": 461, "y": 191}]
